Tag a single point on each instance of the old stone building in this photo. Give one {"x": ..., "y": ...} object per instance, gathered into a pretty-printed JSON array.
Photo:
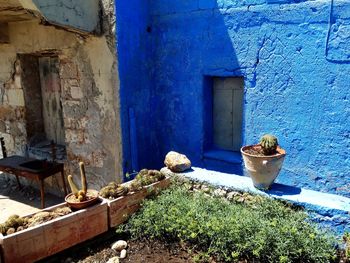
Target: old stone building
[
  {"x": 198, "y": 77},
  {"x": 59, "y": 81}
]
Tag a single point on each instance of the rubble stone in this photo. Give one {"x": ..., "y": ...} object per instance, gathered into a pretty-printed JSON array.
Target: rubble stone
[
  {"x": 119, "y": 245},
  {"x": 177, "y": 162}
]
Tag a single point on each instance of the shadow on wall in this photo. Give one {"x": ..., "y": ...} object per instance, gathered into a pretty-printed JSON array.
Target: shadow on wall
[
  {"x": 294, "y": 81},
  {"x": 192, "y": 46},
  {"x": 134, "y": 58},
  {"x": 294, "y": 86}
]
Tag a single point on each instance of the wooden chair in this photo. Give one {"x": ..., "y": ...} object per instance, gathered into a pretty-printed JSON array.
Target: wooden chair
[
  {"x": 27, "y": 167},
  {"x": 4, "y": 155}
]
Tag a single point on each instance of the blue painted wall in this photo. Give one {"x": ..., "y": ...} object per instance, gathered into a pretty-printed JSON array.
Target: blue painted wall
[
  {"x": 294, "y": 57},
  {"x": 135, "y": 63}
]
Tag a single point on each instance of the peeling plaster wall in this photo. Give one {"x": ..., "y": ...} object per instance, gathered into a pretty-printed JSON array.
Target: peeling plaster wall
[
  {"x": 294, "y": 58},
  {"x": 90, "y": 99},
  {"x": 82, "y": 15}
]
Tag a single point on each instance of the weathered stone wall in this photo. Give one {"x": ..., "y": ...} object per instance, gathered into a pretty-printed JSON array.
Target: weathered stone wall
[
  {"x": 294, "y": 58},
  {"x": 74, "y": 15},
  {"x": 90, "y": 100},
  {"x": 12, "y": 112}
]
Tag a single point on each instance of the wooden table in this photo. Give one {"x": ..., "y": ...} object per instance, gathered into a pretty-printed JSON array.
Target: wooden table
[{"x": 33, "y": 169}]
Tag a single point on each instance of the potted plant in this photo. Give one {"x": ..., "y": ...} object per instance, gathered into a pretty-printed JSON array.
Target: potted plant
[
  {"x": 79, "y": 199},
  {"x": 263, "y": 161},
  {"x": 125, "y": 199},
  {"x": 36, "y": 236}
]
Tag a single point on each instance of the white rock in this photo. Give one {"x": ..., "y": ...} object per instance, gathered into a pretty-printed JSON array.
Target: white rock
[
  {"x": 177, "y": 162},
  {"x": 232, "y": 195},
  {"x": 123, "y": 253},
  {"x": 205, "y": 189},
  {"x": 219, "y": 193},
  {"x": 119, "y": 245},
  {"x": 113, "y": 260},
  {"x": 197, "y": 186}
]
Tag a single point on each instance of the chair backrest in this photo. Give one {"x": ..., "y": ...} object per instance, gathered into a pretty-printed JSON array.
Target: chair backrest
[{"x": 3, "y": 148}]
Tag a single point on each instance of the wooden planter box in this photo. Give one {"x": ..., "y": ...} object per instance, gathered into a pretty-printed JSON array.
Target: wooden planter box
[
  {"x": 122, "y": 207},
  {"x": 54, "y": 236}
]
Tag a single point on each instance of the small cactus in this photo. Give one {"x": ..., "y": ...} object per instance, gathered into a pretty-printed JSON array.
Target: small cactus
[
  {"x": 135, "y": 186},
  {"x": 10, "y": 225},
  {"x": 79, "y": 194},
  {"x": 157, "y": 175},
  {"x": 3, "y": 229},
  {"x": 13, "y": 221},
  {"x": 10, "y": 231},
  {"x": 83, "y": 177},
  {"x": 113, "y": 190},
  {"x": 73, "y": 186},
  {"x": 146, "y": 177},
  {"x": 143, "y": 178},
  {"x": 268, "y": 144},
  {"x": 81, "y": 198}
]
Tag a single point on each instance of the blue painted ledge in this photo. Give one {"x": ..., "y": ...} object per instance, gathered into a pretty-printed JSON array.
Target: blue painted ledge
[
  {"x": 329, "y": 210},
  {"x": 226, "y": 156}
]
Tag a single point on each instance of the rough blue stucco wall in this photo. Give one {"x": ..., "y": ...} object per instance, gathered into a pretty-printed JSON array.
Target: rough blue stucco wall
[
  {"x": 133, "y": 46},
  {"x": 295, "y": 59}
]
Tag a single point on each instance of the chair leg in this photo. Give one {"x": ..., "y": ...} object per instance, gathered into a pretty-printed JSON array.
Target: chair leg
[
  {"x": 18, "y": 182},
  {"x": 42, "y": 194},
  {"x": 64, "y": 183}
]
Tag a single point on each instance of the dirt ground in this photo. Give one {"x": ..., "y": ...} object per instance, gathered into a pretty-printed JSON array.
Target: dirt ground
[
  {"x": 99, "y": 250},
  {"x": 21, "y": 201},
  {"x": 143, "y": 251}
]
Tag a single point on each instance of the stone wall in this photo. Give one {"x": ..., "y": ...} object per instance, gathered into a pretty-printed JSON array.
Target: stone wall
[
  {"x": 295, "y": 62},
  {"x": 90, "y": 96}
]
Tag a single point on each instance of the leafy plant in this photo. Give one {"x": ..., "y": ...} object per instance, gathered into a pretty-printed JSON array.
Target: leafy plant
[
  {"x": 346, "y": 239},
  {"x": 268, "y": 231}
]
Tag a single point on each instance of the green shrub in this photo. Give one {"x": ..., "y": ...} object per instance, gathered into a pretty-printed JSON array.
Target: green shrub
[
  {"x": 266, "y": 231},
  {"x": 346, "y": 238}
]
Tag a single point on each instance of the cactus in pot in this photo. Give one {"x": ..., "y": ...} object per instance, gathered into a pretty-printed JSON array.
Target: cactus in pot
[
  {"x": 79, "y": 194},
  {"x": 113, "y": 190},
  {"x": 81, "y": 198},
  {"x": 11, "y": 224},
  {"x": 268, "y": 144},
  {"x": 263, "y": 161}
]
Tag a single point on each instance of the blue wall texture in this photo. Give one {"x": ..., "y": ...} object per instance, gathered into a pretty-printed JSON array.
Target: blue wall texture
[
  {"x": 135, "y": 64},
  {"x": 295, "y": 60}
]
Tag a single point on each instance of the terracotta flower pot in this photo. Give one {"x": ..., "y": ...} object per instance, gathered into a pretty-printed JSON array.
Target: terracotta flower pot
[
  {"x": 263, "y": 169},
  {"x": 92, "y": 199}
]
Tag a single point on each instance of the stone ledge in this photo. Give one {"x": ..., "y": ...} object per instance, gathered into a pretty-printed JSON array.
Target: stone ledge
[{"x": 327, "y": 209}]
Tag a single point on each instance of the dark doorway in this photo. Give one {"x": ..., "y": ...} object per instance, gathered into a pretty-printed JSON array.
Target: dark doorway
[{"x": 42, "y": 93}]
